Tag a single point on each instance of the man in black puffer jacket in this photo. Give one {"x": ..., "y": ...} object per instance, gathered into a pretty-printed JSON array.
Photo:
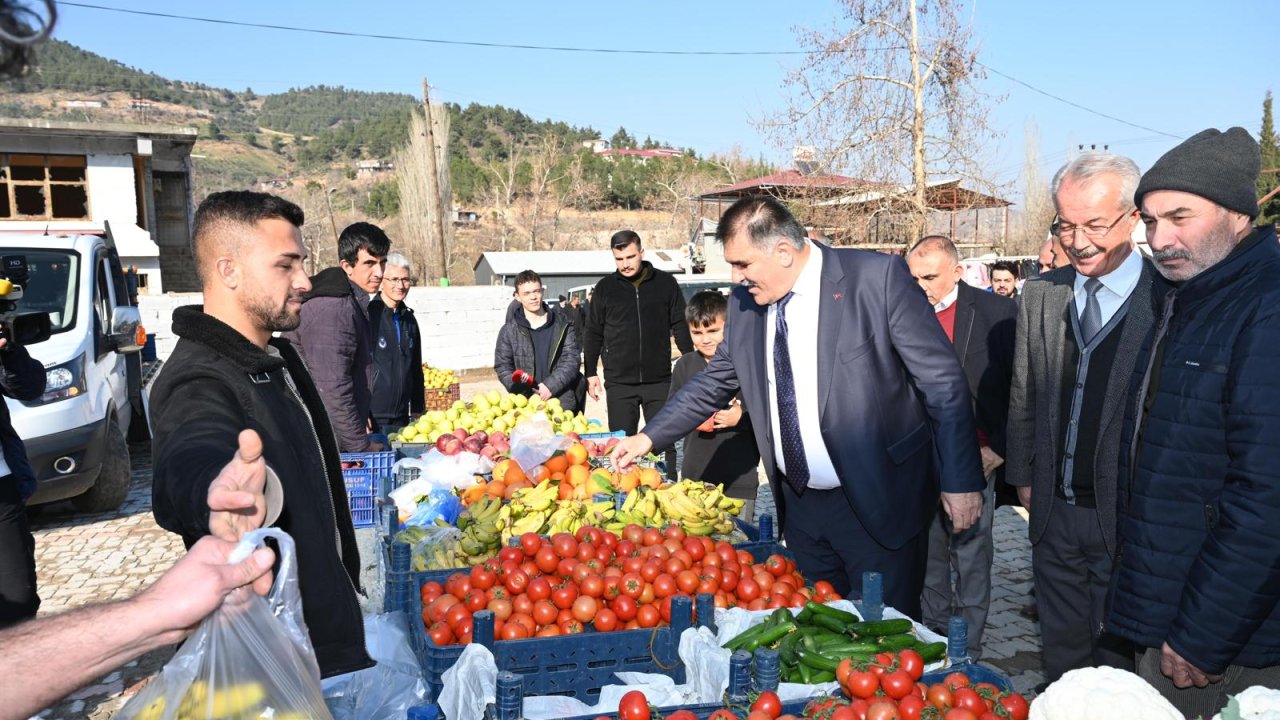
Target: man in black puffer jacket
[
  {"x": 634, "y": 314},
  {"x": 548, "y": 353},
  {"x": 1197, "y": 581},
  {"x": 228, "y": 375}
]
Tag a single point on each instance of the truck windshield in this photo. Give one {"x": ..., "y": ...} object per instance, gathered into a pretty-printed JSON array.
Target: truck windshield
[{"x": 52, "y": 285}]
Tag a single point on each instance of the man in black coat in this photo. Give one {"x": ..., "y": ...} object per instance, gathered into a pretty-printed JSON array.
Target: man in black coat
[
  {"x": 980, "y": 326},
  {"x": 229, "y": 384},
  {"x": 397, "y": 382},
  {"x": 634, "y": 314},
  {"x": 21, "y": 378}
]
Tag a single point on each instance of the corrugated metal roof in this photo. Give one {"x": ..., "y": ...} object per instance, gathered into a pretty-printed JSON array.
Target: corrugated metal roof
[{"x": 572, "y": 262}]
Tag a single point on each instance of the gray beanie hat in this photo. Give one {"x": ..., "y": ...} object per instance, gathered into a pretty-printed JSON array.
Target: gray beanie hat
[{"x": 1219, "y": 166}]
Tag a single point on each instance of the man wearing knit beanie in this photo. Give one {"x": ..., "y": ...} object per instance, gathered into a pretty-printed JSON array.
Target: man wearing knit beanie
[{"x": 1197, "y": 586}]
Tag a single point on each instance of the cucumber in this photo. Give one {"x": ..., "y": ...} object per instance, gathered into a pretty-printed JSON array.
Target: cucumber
[
  {"x": 829, "y": 623},
  {"x": 769, "y": 636},
  {"x": 881, "y": 628},
  {"x": 933, "y": 652},
  {"x": 894, "y": 643},
  {"x": 816, "y": 661},
  {"x": 847, "y": 618},
  {"x": 738, "y": 641},
  {"x": 850, "y": 649},
  {"x": 821, "y": 676}
]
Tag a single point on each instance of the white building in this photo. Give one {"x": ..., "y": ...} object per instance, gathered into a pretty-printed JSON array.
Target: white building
[{"x": 64, "y": 177}]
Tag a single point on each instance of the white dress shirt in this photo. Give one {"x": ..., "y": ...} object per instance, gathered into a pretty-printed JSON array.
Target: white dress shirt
[
  {"x": 1117, "y": 285},
  {"x": 802, "y": 346},
  {"x": 949, "y": 300}
]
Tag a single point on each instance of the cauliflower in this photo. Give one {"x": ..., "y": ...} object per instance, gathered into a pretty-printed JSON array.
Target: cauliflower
[
  {"x": 1102, "y": 693},
  {"x": 1256, "y": 703}
]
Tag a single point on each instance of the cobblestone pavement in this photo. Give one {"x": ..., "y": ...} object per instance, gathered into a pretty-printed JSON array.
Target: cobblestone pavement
[{"x": 84, "y": 559}]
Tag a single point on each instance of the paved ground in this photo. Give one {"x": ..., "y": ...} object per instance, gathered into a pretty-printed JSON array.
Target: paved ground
[{"x": 97, "y": 558}]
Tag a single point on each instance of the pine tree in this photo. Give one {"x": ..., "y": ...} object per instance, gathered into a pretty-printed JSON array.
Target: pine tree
[{"x": 1269, "y": 213}]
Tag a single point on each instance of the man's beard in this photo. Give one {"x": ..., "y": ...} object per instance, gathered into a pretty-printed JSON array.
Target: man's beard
[
  {"x": 1218, "y": 244},
  {"x": 274, "y": 318}
]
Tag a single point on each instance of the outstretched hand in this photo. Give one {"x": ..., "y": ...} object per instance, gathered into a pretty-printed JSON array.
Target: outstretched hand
[
  {"x": 236, "y": 500},
  {"x": 629, "y": 450}
]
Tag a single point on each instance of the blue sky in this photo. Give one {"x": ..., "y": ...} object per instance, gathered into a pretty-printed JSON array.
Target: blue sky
[{"x": 1176, "y": 66}]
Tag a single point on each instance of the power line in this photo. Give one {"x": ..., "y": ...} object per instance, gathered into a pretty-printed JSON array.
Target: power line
[{"x": 559, "y": 48}]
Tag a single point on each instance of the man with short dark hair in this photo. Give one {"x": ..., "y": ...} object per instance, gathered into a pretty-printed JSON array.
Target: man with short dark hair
[
  {"x": 980, "y": 326},
  {"x": 860, "y": 408},
  {"x": 537, "y": 349},
  {"x": 335, "y": 337},
  {"x": 1004, "y": 279},
  {"x": 634, "y": 314},
  {"x": 232, "y": 392},
  {"x": 398, "y": 380},
  {"x": 1197, "y": 585}
]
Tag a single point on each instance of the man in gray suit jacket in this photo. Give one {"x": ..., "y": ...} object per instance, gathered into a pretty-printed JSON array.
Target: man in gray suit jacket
[
  {"x": 1079, "y": 330},
  {"x": 864, "y": 411}
]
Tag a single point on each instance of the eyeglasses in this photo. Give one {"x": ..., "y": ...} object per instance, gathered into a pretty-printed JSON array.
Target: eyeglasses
[
  {"x": 398, "y": 281},
  {"x": 1094, "y": 232}
]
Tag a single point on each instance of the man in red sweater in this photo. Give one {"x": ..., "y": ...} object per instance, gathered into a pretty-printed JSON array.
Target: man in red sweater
[{"x": 981, "y": 328}]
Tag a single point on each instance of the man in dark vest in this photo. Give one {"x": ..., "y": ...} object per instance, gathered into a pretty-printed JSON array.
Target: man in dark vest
[{"x": 1079, "y": 330}]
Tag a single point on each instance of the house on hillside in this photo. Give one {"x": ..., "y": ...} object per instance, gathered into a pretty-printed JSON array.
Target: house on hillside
[
  {"x": 369, "y": 168},
  {"x": 596, "y": 146},
  {"x": 564, "y": 269},
  {"x": 65, "y": 177},
  {"x": 641, "y": 155}
]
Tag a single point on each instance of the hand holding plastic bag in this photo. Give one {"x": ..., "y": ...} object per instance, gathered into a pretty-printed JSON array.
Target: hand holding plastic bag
[{"x": 252, "y": 658}]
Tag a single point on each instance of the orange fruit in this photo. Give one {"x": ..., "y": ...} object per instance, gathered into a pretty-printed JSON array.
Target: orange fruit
[
  {"x": 557, "y": 463},
  {"x": 557, "y": 476},
  {"x": 500, "y": 468},
  {"x": 577, "y": 474},
  {"x": 650, "y": 478},
  {"x": 565, "y": 492},
  {"x": 627, "y": 481},
  {"x": 497, "y": 488},
  {"x": 540, "y": 473},
  {"x": 512, "y": 474},
  {"x": 577, "y": 454}
]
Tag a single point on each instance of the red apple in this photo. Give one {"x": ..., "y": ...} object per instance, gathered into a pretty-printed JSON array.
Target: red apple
[
  {"x": 472, "y": 445},
  {"x": 442, "y": 441},
  {"x": 460, "y": 433},
  {"x": 452, "y": 446}
]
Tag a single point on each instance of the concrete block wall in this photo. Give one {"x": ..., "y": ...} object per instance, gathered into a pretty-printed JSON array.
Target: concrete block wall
[{"x": 459, "y": 324}]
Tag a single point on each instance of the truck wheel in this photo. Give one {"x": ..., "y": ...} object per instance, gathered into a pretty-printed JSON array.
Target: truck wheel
[{"x": 112, "y": 486}]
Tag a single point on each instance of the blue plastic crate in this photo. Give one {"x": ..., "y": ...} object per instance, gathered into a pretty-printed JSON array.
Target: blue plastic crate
[
  {"x": 576, "y": 665},
  {"x": 603, "y": 435},
  {"x": 361, "y": 496},
  {"x": 379, "y": 463}
]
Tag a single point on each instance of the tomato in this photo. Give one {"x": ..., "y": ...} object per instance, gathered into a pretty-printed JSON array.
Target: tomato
[
  {"x": 695, "y": 548},
  {"x": 858, "y": 708},
  {"x": 664, "y": 585},
  {"x": 511, "y": 554},
  {"x": 530, "y": 626},
  {"x": 849, "y": 712},
  {"x": 605, "y": 620},
  {"x": 822, "y": 587},
  {"x": 625, "y": 606},
  {"x": 544, "y": 613},
  {"x": 440, "y": 633},
  {"x": 592, "y": 586},
  {"x": 546, "y": 559},
  {"x": 939, "y": 696},
  {"x": 967, "y": 698},
  {"x": 612, "y": 587},
  {"x": 647, "y": 595},
  {"x": 584, "y": 609},
  {"x": 531, "y": 543},
  {"x": 586, "y": 551},
  {"x": 768, "y": 703},
  {"x": 842, "y": 671},
  {"x": 910, "y": 707},
  {"x": 500, "y": 608},
  {"x": 634, "y": 706},
  {"x": 631, "y": 585},
  {"x": 1015, "y": 706},
  {"x": 474, "y": 600},
  {"x": 722, "y": 714},
  {"x": 566, "y": 567},
  {"x": 681, "y": 715},
  {"x": 650, "y": 570},
  {"x": 728, "y": 580},
  {"x": 564, "y": 596},
  {"x": 882, "y": 709},
  {"x": 438, "y": 607},
  {"x": 634, "y": 534},
  {"x": 862, "y": 683},
  {"x": 571, "y": 627},
  {"x": 566, "y": 545},
  {"x": 776, "y": 565},
  {"x": 897, "y": 684},
  {"x": 549, "y": 631},
  {"x": 482, "y": 578},
  {"x": 539, "y": 589},
  {"x": 516, "y": 582},
  {"x": 910, "y": 661},
  {"x": 431, "y": 590},
  {"x": 648, "y": 616},
  {"x": 959, "y": 714},
  {"x": 956, "y": 680},
  {"x": 748, "y": 589},
  {"x": 513, "y": 631}
]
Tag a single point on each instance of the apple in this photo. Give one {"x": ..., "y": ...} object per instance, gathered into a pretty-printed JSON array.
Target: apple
[
  {"x": 573, "y": 436},
  {"x": 452, "y": 445},
  {"x": 590, "y": 446},
  {"x": 497, "y": 435},
  {"x": 442, "y": 441},
  {"x": 472, "y": 445},
  {"x": 490, "y": 452},
  {"x": 460, "y": 433},
  {"x": 481, "y": 435}
]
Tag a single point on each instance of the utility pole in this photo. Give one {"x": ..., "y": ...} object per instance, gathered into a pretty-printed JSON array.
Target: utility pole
[
  {"x": 433, "y": 187},
  {"x": 332, "y": 223}
]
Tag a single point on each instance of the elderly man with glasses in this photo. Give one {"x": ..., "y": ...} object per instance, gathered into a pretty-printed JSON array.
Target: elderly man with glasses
[
  {"x": 397, "y": 349},
  {"x": 1079, "y": 329}
]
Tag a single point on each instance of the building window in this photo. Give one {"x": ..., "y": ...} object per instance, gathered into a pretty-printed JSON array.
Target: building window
[{"x": 43, "y": 187}]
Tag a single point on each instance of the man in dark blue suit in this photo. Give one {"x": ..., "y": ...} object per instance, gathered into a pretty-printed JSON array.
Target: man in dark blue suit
[{"x": 868, "y": 408}]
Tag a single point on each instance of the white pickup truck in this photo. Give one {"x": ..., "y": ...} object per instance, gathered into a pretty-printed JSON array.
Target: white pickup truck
[{"x": 76, "y": 433}]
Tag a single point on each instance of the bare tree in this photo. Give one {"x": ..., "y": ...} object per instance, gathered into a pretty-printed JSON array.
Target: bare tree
[
  {"x": 888, "y": 95},
  {"x": 1037, "y": 205},
  {"x": 505, "y": 172},
  {"x": 676, "y": 182},
  {"x": 546, "y": 170}
]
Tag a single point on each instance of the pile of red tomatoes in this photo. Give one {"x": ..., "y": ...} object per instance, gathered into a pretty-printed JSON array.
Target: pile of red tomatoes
[{"x": 567, "y": 583}]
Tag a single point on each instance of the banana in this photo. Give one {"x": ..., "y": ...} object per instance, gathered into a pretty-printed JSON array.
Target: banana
[
  {"x": 699, "y": 528},
  {"x": 471, "y": 546},
  {"x": 532, "y": 522},
  {"x": 630, "y": 503}
]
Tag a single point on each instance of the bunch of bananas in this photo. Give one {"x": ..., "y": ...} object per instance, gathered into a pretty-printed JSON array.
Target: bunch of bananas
[
  {"x": 698, "y": 508},
  {"x": 536, "y": 510},
  {"x": 240, "y": 700},
  {"x": 480, "y": 523}
]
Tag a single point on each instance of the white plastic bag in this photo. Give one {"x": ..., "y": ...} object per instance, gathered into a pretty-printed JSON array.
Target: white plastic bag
[
  {"x": 388, "y": 689},
  {"x": 252, "y": 658},
  {"x": 470, "y": 685},
  {"x": 451, "y": 472},
  {"x": 534, "y": 441}
]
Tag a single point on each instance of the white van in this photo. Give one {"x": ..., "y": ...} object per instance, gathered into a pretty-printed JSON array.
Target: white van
[{"x": 75, "y": 434}]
